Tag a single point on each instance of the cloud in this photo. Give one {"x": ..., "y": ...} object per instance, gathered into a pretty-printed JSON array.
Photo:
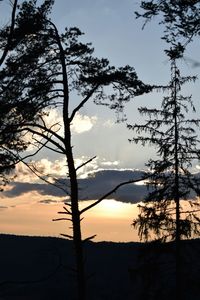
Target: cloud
[
  {"x": 52, "y": 119},
  {"x": 93, "y": 187},
  {"x": 102, "y": 181},
  {"x": 23, "y": 174},
  {"x": 92, "y": 165},
  {"x": 109, "y": 123},
  {"x": 54, "y": 168},
  {"x": 45, "y": 168},
  {"x": 58, "y": 168},
  {"x": 42, "y": 189},
  {"x": 110, "y": 163},
  {"x": 3, "y": 207},
  {"x": 82, "y": 123},
  {"x": 48, "y": 201}
]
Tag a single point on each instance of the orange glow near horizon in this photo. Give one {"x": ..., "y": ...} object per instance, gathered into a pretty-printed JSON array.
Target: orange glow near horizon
[{"x": 110, "y": 220}]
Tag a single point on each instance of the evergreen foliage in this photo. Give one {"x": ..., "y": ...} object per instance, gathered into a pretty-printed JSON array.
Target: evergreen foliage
[
  {"x": 7, "y": 160},
  {"x": 180, "y": 18},
  {"x": 174, "y": 136},
  {"x": 171, "y": 211}
]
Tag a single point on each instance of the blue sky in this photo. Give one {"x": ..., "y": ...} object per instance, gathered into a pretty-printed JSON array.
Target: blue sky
[{"x": 115, "y": 34}]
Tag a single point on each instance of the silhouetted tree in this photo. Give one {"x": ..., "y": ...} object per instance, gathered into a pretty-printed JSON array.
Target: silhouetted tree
[
  {"x": 163, "y": 214},
  {"x": 180, "y": 18},
  {"x": 181, "y": 23},
  {"x": 6, "y": 158},
  {"x": 44, "y": 71}
]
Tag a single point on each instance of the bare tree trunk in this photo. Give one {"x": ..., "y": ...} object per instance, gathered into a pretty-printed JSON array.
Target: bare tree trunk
[
  {"x": 76, "y": 223},
  {"x": 75, "y": 213}
]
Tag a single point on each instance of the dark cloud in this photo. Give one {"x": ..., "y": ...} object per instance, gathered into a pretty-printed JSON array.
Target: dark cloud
[
  {"x": 3, "y": 207},
  {"x": 103, "y": 181},
  {"x": 48, "y": 201},
  {"x": 20, "y": 188},
  {"x": 93, "y": 187}
]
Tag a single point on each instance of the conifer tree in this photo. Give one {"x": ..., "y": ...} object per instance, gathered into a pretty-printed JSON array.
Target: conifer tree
[
  {"x": 172, "y": 180},
  {"x": 168, "y": 212}
]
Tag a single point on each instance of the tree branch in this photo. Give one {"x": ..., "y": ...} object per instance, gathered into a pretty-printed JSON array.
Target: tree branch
[
  {"x": 44, "y": 136},
  {"x": 45, "y": 145},
  {"x": 89, "y": 238},
  {"x": 61, "y": 219},
  {"x": 111, "y": 192},
  {"x": 83, "y": 102},
  {"x": 5, "y": 52},
  {"x": 35, "y": 171},
  {"x": 85, "y": 163},
  {"x": 67, "y": 235}
]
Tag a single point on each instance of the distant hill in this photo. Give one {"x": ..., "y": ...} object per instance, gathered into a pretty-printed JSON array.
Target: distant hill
[{"x": 41, "y": 268}]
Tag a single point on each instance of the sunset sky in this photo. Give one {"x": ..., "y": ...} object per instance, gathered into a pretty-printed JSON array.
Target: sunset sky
[{"x": 115, "y": 34}]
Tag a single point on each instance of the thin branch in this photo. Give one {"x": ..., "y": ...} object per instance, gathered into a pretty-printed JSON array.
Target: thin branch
[
  {"x": 57, "y": 82},
  {"x": 5, "y": 52},
  {"x": 189, "y": 211},
  {"x": 61, "y": 219},
  {"x": 44, "y": 128},
  {"x": 45, "y": 145},
  {"x": 22, "y": 159},
  {"x": 67, "y": 235},
  {"x": 65, "y": 208},
  {"x": 83, "y": 102},
  {"x": 66, "y": 212},
  {"x": 56, "y": 90},
  {"x": 85, "y": 163},
  {"x": 89, "y": 238},
  {"x": 112, "y": 191},
  {"x": 35, "y": 171},
  {"x": 44, "y": 136}
]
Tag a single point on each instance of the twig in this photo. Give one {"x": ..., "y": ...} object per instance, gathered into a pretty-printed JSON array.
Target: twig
[
  {"x": 89, "y": 238},
  {"x": 62, "y": 219},
  {"x": 5, "y": 52},
  {"x": 67, "y": 235},
  {"x": 83, "y": 102},
  {"x": 85, "y": 163}
]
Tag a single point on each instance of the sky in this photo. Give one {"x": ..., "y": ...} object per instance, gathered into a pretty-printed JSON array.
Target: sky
[
  {"x": 115, "y": 34},
  {"x": 111, "y": 27}
]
